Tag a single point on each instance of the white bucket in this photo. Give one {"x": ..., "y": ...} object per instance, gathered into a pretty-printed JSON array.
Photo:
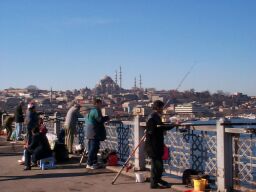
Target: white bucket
[{"x": 140, "y": 178}]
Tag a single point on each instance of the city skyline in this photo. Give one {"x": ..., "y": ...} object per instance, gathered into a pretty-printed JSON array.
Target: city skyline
[{"x": 71, "y": 45}]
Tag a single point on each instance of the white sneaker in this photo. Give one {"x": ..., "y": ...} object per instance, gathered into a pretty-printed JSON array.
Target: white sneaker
[
  {"x": 89, "y": 167},
  {"x": 94, "y": 166}
]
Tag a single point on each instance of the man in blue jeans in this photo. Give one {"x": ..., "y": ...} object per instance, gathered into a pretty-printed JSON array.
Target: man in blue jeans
[
  {"x": 96, "y": 133},
  {"x": 19, "y": 119}
]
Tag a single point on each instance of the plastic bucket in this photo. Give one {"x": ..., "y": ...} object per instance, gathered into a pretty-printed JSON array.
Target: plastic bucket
[
  {"x": 140, "y": 178},
  {"x": 199, "y": 184}
]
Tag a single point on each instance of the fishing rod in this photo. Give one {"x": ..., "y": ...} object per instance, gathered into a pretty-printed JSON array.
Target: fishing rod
[
  {"x": 127, "y": 161},
  {"x": 185, "y": 76},
  {"x": 181, "y": 82}
]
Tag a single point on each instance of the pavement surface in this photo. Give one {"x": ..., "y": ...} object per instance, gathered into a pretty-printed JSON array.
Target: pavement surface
[{"x": 65, "y": 177}]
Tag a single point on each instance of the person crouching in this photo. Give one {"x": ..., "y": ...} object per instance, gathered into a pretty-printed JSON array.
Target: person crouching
[{"x": 38, "y": 149}]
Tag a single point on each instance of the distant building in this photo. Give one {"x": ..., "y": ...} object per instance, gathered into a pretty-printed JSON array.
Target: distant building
[
  {"x": 190, "y": 110},
  {"x": 107, "y": 111},
  {"x": 142, "y": 110},
  {"x": 129, "y": 105}
]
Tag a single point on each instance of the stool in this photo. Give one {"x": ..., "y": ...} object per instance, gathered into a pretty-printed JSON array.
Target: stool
[{"x": 47, "y": 163}]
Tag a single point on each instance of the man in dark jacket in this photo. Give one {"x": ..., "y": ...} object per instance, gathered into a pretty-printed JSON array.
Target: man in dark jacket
[
  {"x": 154, "y": 145},
  {"x": 38, "y": 149},
  {"x": 19, "y": 119},
  {"x": 32, "y": 121}
]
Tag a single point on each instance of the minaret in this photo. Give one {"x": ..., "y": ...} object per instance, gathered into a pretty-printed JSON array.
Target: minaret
[
  {"x": 120, "y": 77},
  {"x": 140, "y": 82},
  {"x": 116, "y": 78},
  {"x": 51, "y": 95},
  {"x": 135, "y": 83}
]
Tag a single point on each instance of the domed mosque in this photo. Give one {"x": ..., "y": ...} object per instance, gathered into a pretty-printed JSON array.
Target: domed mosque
[{"x": 106, "y": 86}]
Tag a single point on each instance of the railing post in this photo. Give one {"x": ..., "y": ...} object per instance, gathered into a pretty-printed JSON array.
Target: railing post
[
  {"x": 139, "y": 154},
  {"x": 3, "y": 118},
  {"x": 224, "y": 158},
  {"x": 56, "y": 123}
]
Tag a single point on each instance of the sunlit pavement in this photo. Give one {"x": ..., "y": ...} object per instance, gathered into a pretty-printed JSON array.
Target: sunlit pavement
[{"x": 65, "y": 177}]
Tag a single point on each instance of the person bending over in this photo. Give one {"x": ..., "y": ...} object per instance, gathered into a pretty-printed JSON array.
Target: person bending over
[{"x": 38, "y": 149}]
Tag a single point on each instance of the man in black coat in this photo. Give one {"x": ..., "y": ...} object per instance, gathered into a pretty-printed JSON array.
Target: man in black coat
[
  {"x": 31, "y": 121},
  {"x": 154, "y": 145},
  {"x": 38, "y": 149}
]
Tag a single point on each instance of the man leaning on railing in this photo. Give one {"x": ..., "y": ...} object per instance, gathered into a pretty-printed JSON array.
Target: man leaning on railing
[{"x": 71, "y": 121}]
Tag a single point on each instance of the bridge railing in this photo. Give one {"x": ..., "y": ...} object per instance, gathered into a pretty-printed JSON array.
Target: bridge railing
[{"x": 223, "y": 149}]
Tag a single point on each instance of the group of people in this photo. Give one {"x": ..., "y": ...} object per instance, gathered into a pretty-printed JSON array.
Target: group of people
[
  {"x": 38, "y": 147},
  {"x": 19, "y": 120},
  {"x": 36, "y": 143},
  {"x": 94, "y": 128},
  {"x": 154, "y": 144}
]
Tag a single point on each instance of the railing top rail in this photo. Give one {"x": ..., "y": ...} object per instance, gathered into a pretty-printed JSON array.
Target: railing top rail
[{"x": 241, "y": 130}]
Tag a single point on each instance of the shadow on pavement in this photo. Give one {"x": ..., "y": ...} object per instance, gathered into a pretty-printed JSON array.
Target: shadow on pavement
[
  {"x": 51, "y": 175},
  {"x": 10, "y": 154}
]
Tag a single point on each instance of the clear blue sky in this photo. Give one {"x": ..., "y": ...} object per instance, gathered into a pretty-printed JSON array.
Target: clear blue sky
[{"x": 68, "y": 44}]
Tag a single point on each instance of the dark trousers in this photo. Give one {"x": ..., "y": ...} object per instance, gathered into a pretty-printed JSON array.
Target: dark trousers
[
  {"x": 93, "y": 149},
  {"x": 156, "y": 171},
  {"x": 28, "y": 155},
  {"x": 35, "y": 155},
  {"x": 29, "y": 136}
]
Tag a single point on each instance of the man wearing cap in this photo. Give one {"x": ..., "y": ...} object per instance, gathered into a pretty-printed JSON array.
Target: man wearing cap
[{"x": 70, "y": 124}]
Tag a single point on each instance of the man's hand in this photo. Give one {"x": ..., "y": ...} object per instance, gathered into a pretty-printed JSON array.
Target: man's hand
[{"x": 106, "y": 118}]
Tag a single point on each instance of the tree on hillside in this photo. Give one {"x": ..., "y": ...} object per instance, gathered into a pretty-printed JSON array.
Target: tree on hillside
[{"x": 32, "y": 87}]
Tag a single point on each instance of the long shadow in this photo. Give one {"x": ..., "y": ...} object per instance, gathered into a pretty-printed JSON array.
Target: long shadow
[
  {"x": 51, "y": 175},
  {"x": 70, "y": 166},
  {"x": 11, "y": 154}
]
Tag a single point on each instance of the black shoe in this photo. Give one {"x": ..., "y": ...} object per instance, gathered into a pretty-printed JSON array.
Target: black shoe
[
  {"x": 156, "y": 186},
  {"x": 26, "y": 168},
  {"x": 164, "y": 184}
]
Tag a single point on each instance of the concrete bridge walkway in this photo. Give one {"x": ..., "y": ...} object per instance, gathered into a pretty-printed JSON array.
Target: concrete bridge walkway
[{"x": 65, "y": 178}]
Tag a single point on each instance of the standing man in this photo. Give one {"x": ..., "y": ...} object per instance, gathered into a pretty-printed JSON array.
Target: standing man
[
  {"x": 19, "y": 119},
  {"x": 31, "y": 121},
  {"x": 96, "y": 132},
  {"x": 70, "y": 125},
  {"x": 154, "y": 145}
]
